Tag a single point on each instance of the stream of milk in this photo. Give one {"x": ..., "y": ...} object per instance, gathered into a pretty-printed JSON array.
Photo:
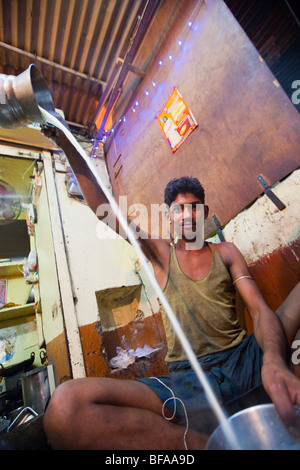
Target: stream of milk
[{"x": 52, "y": 120}]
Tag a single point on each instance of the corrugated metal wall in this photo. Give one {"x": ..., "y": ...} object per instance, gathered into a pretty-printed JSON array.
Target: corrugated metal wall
[{"x": 79, "y": 40}]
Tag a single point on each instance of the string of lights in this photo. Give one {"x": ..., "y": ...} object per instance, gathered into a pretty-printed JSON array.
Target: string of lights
[{"x": 182, "y": 39}]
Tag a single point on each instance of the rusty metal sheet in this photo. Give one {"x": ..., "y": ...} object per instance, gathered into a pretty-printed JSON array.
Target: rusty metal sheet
[{"x": 247, "y": 125}]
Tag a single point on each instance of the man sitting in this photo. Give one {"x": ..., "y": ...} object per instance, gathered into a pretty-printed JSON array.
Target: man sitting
[{"x": 199, "y": 283}]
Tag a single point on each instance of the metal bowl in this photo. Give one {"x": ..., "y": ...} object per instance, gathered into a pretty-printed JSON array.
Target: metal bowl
[{"x": 255, "y": 428}]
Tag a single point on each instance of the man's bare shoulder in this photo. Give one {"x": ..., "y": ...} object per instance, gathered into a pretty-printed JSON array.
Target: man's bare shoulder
[
  {"x": 228, "y": 251},
  {"x": 226, "y": 247}
]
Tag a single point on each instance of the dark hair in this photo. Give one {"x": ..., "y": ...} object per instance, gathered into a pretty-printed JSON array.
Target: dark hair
[{"x": 183, "y": 185}]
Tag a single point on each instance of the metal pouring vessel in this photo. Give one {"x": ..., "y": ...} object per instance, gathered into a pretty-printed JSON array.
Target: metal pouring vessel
[
  {"x": 257, "y": 428},
  {"x": 21, "y": 96}
]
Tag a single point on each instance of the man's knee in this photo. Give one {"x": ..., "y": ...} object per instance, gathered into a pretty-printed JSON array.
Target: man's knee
[
  {"x": 64, "y": 396},
  {"x": 64, "y": 412}
]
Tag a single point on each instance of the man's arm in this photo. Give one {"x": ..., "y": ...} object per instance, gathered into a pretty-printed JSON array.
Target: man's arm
[
  {"x": 88, "y": 184},
  {"x": 289, "y": 314},
  {"x": 94, "y": 196},
  {"x": 280, "y": 383}
]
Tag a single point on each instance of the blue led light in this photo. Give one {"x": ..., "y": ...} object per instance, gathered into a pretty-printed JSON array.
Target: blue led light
[{"x": 160, "y": 63}]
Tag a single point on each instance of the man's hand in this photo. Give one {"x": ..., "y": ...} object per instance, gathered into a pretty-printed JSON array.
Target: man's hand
[{"x": 283, "y": 387}]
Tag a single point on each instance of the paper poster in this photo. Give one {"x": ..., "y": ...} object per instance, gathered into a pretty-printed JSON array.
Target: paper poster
[
  {"x": 2, "y": 292},
  {"x": 8, "y": 338},
  {"x": 176, "y": 120}
]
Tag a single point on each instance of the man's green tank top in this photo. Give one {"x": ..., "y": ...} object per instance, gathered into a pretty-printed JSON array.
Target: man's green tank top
[{"x": 205, "y": 309}]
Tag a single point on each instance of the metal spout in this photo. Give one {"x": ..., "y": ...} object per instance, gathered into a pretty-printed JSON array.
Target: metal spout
[{"x": 21, "y": 96}]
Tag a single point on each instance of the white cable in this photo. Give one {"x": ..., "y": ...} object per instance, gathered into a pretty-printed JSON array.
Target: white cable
[
  {"x": 174, "y": 412},
  {"x": 29, "y": 168}
]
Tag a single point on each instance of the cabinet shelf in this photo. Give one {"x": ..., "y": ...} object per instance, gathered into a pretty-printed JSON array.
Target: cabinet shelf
[
  {"x": 16, "y": 311},
  {"x": 10, "y": 269}
]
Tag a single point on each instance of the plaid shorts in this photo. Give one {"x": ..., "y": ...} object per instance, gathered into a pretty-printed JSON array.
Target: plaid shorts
[{"x": 230, "y": 373}]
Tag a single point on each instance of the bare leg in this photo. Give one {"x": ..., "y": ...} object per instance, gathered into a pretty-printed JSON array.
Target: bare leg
[{"x": 112, "y": 414}]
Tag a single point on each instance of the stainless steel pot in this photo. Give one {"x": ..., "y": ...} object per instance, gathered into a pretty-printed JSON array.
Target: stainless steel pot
[
  {"x": 255, "y": 428},
  {"x": 21, "y": 96},
  {"x": 35, "y": 389}
]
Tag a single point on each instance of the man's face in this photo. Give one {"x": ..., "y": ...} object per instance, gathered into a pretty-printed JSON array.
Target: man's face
[{"x": 187, "y": 214}]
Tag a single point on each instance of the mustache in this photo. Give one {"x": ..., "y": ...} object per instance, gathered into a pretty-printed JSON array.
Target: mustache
[{"x": 188, "y": 222}]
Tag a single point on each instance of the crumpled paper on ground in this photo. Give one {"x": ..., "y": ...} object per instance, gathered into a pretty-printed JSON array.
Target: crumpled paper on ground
[{"x": 125, "y": 357}]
